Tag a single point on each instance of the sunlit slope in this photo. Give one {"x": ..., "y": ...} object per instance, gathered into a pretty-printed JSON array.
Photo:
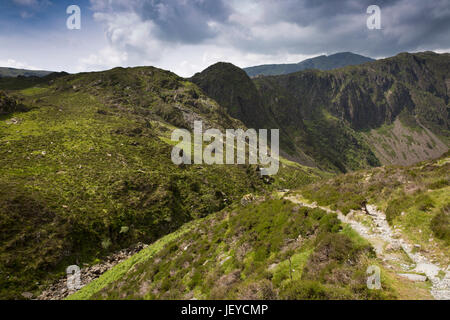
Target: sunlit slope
[
  {"x": 416, "y": 200},
  {"x": 265, "y": 250},
  {"x": 87, "y": 169},
  {"x": 273, "y": 248}
]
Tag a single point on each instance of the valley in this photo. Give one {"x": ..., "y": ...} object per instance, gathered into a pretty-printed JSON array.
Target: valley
[{"x": 363, "y": 180}]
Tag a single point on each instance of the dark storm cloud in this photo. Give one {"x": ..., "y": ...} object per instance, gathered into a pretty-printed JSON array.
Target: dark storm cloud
[{"x": 296, "y": 26}]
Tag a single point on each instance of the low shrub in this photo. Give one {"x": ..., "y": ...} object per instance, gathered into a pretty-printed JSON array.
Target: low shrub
[{"x": 440, "y": 224}]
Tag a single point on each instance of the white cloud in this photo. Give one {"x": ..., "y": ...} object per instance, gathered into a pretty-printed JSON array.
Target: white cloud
[{"x": 11, "y": 63}]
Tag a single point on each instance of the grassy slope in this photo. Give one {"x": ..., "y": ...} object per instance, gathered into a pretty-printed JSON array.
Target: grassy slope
[
  {"x": 87, "y": 170},
  {"x": 402, "y": 144},
  {"x": 247, "y": 253},
  {"x": 416, "y": 199},
  {"x": 9, "y": 104}
]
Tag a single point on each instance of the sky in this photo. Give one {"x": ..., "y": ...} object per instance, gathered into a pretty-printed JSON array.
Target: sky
[{"x": 186, "y": 36}]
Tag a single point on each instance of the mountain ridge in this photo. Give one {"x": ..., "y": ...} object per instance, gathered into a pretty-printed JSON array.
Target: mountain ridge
[
  {"x": 323, "y": 62},
  {"x": 13, "y": 72}
]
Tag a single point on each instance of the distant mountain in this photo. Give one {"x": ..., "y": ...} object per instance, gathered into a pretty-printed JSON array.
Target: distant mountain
[
  {"x": 12, "y": 72},
  {"x": 324, "y": 62}
]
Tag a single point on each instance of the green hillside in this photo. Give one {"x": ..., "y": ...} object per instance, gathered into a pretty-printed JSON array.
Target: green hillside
[
  {"x": 13, "y": 72},
  {"x": 86, "y": 170}
]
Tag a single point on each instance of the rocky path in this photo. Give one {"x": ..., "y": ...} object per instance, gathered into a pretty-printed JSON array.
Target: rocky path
[{"x": 391, "y": 247}]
